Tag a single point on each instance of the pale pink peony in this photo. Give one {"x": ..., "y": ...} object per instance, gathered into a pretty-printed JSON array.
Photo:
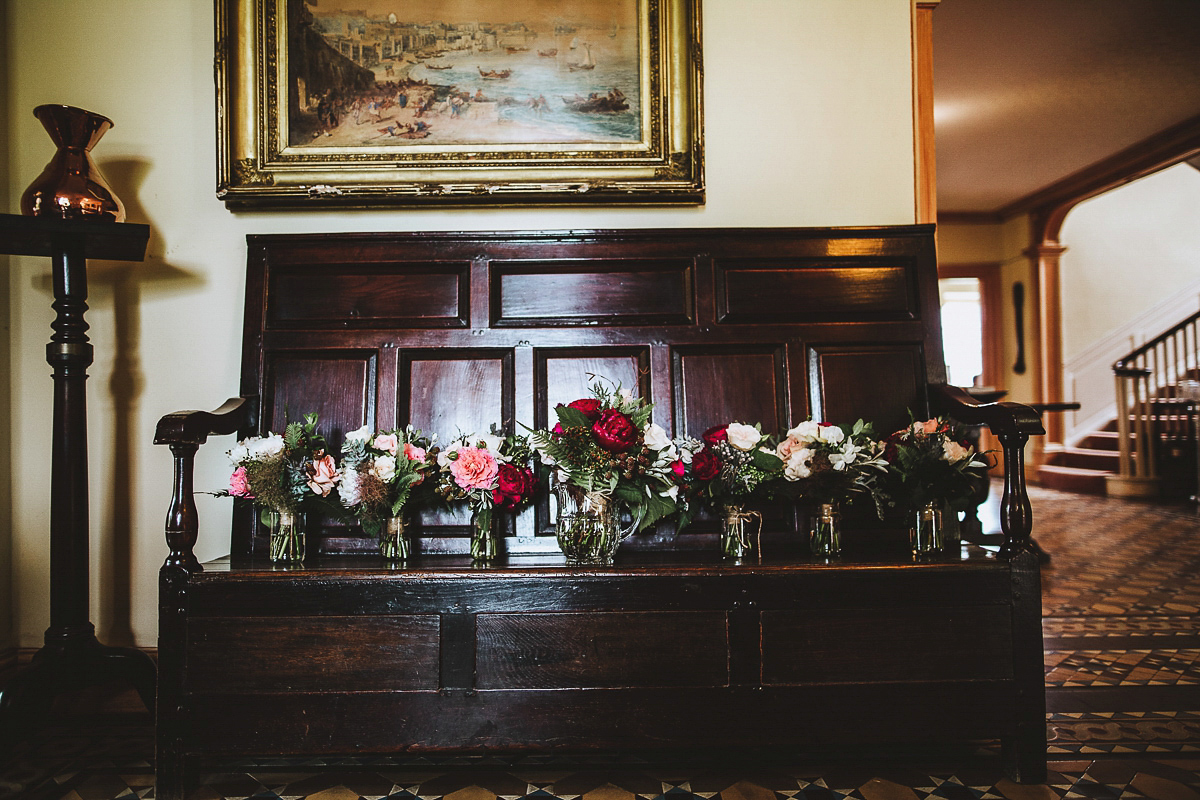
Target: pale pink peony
[
  {"x": 414, "y": 453},
  {"x": 239, "y": 484},
  {"x": 386, "y": 442},
  {"x": 474, "y": 468},
  {"x": 322, "y": 476}
]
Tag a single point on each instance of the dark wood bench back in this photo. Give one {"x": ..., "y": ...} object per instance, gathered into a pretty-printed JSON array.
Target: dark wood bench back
[{"x": 456, "y": 331}]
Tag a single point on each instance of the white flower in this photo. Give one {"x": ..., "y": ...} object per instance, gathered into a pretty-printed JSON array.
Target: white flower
[
  {"x": 268, "y": 446},
  {"x": 363, "y": 434},
  {"x": 626, "y": 395},
  {"x": 798, "y": 465},
  {"x": 672, "y": 493},
  {"x": 546, "y": 459},
  {"x": 805, "y": 432},
  {"x": 831, "y": 434},
  {"x": 384, "y": 468},
  {"x": 953, "y": 452},
  {"x": 348, "y": 488},
  {"x": 240, "y": 452},
  {"x": 444, "y": 458},
  {"x": 849, "y": 453},
  {"x": 656, "y": 437},
  {"x": 743, "y": 437},
  {"x": 488, "y": 442}
]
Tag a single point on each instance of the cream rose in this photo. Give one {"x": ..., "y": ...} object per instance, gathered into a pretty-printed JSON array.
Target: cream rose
[
  {"x": 954, "y": 452},
  {"x": 798, "y": 465},
  {"x": 384, "y": 468},
  {"x": 363, "y": 434},
  {"x": 743, "y": 437},
  {"x": 656, "y": 437},
  {"x": 322, "y": 476},
  {"x": 805, "y": 432}
]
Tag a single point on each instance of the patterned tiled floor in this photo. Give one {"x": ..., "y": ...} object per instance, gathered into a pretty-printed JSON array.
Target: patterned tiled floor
[{"x": 1121, "y": 604}]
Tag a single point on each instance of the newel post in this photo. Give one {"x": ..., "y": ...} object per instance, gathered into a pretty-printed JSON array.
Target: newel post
[
  {"x": 1016, "y": 513},
  {"x": 183, "y": 521}
]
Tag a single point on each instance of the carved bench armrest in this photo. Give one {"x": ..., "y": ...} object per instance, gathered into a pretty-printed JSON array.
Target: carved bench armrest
[
  {"x": 1013, "y": 424},
  {"x": 184, "y": 432}
]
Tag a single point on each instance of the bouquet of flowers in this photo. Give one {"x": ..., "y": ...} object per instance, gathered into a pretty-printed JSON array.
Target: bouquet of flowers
[
  {"x": 284, "y": 475},
  {"x": 382, "y": 473},
  {"x": 829, "y": 463},
  {"x": 488, "y": 471},
  {"x": 727, "y": 467},
  {"x": 605, "y": 445},
  {"x": 931, "y": 462}
]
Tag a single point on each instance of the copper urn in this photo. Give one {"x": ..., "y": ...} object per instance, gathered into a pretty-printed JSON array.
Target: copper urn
[{"x": 71, "y": 186}]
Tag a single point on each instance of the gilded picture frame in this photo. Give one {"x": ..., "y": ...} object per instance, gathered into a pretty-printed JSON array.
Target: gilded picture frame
[{"x": 464, "y": 102}]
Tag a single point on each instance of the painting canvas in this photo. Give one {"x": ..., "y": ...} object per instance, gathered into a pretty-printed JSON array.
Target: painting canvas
[
  {"x": 371, "y": 73},
  {"x": 459, "y": 102}
]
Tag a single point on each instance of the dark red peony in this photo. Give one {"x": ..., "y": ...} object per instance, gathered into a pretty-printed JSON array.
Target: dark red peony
[
  {"x": 589, "y": 406},
  {"x": 715, "y": 435},
  {"x": 514, "y": 485},
  {"x": 614, "y": 431},
  {"x": 706, "y": 465}
]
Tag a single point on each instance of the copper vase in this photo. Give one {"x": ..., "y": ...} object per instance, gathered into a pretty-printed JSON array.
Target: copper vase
[{"x": 71, "y": 186}]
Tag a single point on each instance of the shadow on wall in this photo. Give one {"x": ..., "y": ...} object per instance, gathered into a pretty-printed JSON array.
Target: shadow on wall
[{"x": 122, "y": 284}]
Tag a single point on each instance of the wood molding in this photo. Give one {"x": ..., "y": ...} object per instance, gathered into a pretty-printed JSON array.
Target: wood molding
[
  {"x": 923, "y": 137},
  {"x": 969, "y": 218},
  {"x": 1171, "y": 146}
]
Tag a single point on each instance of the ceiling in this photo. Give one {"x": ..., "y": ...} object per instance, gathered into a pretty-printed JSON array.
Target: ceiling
[{"x": 1027, "y": 92}]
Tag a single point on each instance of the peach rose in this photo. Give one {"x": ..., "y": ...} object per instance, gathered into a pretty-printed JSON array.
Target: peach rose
[
  {"x": 386, "y": 442},
  {"x": 414, "y": 453},
  {"x": 474, "y": 468},
  {"x": 322, "y": 475}
]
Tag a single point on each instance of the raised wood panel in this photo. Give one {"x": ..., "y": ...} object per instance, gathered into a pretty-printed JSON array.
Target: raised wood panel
[
  {"x": 345, "y": 402},
  {"x": 601, "y": 650},
  {"x": 395, "y": 652},
  {"x": 566, "y": 375},
  {"x": 755, "y": 292},
  {"x": 602, "y": 292},
  {"x": 895, "y": 643},
  {"x": 879, "y": 383},
  {"x": 408, "y": 295},
  {"x": 449, "y": 392},
  {"x": 719, "y": 385}
]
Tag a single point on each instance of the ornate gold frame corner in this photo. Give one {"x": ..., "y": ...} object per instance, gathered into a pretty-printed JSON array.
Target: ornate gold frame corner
[{"x": 256, "y": 171}]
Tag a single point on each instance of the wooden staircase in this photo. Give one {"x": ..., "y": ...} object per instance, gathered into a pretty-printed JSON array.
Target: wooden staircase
[{"x": 1084, "y": 467}]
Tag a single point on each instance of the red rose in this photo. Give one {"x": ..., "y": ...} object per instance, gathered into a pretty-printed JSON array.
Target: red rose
[
  {"x": 706, "y": 465},
  {"x": 614, "y": 431},
  {"x": 558, "y": 428},
  {"x": 514, "y": 485},
  {"x": 589, "y": 406},
  {"x": 715, "y": 434}
]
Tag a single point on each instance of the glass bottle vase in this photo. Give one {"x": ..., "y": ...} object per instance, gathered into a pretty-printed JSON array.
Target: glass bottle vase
[
  {"x": 393, "y": 539},
  {"x": 926, "y": 533},
  {"x": 484, "y": 546},
  {"x": 286, "y": 537},
  {"x": 740, "y": 530},
  {"x": 825, "y": 531}
]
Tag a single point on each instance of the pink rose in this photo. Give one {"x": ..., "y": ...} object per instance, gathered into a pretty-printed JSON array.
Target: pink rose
[
  {"x": 474, "y": 468},
  {"x": 386, "y": 442},
  {"x": 787, "y": 447},
  {"x": 414, "y": 453},
  {"x": 322, "y": 475},
  {"x": 239, "y": 484}
]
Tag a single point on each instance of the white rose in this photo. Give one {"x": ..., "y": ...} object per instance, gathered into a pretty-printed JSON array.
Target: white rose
[
  {"x": 267, "y": 447},
  {"x": 363, "y": 434},
  {"x": 953, "y": 452},
  {"x": 807, "y": 431},
  {"x": 672, "y": 493},
  {"x": 240, "y": 452},
  {"x": 831, "y": 434},
  {"x": 743, "y": 437},
  {"x": 797, "y": 465},
  {"x": 656, "y": 437},
  {"x": 384, "y": 468}
]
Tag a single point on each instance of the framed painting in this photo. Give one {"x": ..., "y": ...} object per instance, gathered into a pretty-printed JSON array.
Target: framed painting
[{"x": 459, "y": 102}]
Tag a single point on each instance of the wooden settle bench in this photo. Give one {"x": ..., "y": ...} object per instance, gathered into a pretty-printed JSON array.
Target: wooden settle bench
[{"x": 670, "y": 647}]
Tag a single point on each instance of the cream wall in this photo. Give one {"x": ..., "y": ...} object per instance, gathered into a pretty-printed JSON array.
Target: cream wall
[
  {"x": 827, "y": 140},
  {"x": 1131, "y": 270}
]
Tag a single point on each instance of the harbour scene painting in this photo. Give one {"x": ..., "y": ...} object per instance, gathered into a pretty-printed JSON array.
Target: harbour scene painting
[{"x": 500, "y": 73}]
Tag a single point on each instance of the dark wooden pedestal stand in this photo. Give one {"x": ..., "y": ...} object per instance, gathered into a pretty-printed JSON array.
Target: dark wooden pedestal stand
[{"x": 72, "y": 657}]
